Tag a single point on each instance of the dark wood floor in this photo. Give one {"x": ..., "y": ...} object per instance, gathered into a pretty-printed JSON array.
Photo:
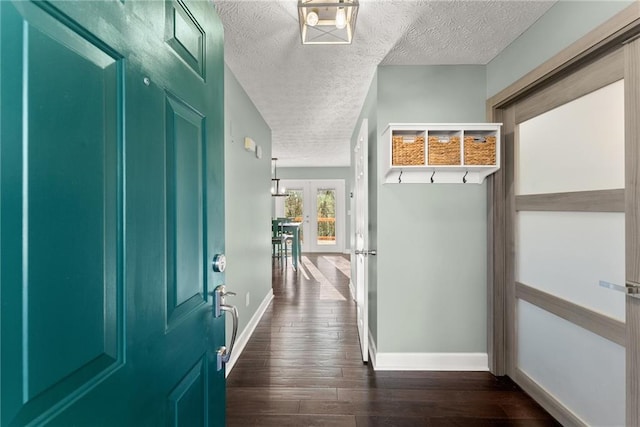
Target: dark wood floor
[{"x": 302, "y": 367}]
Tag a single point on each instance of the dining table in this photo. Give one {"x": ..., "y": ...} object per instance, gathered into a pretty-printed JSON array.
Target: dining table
[{"x": 293, "y": 228}]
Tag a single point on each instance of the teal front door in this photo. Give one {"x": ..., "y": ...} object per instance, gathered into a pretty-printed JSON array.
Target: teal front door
[{"x": 111, "y": 211}]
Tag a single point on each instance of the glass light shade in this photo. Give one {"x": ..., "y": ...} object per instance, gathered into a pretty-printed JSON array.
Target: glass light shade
[
  {"x": 312, "y": 19},
  {"x": 341, "y": 18},
  {"x": 327, "y": 21}
]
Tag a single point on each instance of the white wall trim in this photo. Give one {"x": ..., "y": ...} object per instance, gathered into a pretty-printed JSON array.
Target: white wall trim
[
  {"x": 352, "y": 289},
  {"x": 431, "y": 362},
  {"x": 373, "y": 351},
  {"x": 243, "y": 337}
]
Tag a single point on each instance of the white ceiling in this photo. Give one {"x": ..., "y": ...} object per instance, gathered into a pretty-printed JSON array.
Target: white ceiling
[{"x": 311, "y": 96}]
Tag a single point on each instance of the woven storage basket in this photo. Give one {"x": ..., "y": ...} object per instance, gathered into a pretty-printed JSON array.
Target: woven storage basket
[
  {"x": 444, "y": 150},
  {"x": 479, "y": 151},
  {"x": 407, "y": 153}
]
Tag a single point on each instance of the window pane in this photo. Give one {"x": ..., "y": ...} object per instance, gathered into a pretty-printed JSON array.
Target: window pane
[
  {"x": 326, "y": 217},
  {"x": 293, "y": 205}
]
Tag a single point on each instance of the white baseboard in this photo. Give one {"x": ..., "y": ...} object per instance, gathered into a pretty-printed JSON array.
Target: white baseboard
[
  {"x": 430, "y": 361},
  {"x": 243, "y": 337},
  {"x": 426, "y": 361}
]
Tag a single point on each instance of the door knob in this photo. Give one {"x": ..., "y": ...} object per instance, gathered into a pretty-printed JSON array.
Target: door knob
[{"x": 219, "y": 263}]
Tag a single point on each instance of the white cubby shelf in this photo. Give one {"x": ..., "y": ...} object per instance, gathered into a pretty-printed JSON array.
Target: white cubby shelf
[{"x": 440, "y": 153}]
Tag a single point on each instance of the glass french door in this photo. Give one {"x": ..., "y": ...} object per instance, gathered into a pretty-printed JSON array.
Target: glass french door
[
  {"x": 325, "y": 217},
  {"x": 294, "y": 208},
  {"x": 319, "y": 206}
]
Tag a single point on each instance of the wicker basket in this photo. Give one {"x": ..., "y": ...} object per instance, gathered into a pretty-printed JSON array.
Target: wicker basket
[
  {"x": 407, "y": 153},
  {"x": 444, "y": 150},
  {"x": 479, "y": 150}
]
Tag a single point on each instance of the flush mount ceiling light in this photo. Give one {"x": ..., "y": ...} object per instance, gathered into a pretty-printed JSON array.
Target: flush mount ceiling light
[{"x": 327, "y": 21}]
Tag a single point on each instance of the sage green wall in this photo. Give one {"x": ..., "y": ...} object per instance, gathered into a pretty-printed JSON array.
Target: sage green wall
[
  {"x": 369, "y": 111},
  {"x": 431, "y": 239},
  {"x": 564, "y": 23},
  {"x": 248, "y": 202}
]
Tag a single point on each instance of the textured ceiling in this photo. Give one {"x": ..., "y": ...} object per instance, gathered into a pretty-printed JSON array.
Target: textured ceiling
[{"x": 311, "y": 96}]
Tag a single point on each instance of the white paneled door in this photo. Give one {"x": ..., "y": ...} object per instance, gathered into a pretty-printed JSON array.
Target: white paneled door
[{"x": 360, "y": 254}]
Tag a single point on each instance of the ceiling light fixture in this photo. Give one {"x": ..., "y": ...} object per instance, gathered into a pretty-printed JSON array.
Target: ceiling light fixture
[
  {"x": 276, "y": 191},
  {"x": 327, "y": 21}
]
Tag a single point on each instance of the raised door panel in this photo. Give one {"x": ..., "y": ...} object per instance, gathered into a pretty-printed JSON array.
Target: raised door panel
[
  {"x": 188, "y": 400},
  {"x": 184, "y": 138},
  {"x": 185, "y": 35},
  {"x": 62, "y": 234}
]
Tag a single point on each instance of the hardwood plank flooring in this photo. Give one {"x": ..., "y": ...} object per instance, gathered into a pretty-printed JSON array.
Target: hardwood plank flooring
[{"x": 302, "y": 367}]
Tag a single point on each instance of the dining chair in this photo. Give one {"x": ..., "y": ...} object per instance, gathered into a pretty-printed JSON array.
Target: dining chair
[
  {"x": 288, "y": 236},
  {"x": 279, "y": 241}
]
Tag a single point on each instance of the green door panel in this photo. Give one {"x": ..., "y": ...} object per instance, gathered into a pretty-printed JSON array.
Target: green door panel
[
  {"x": 189, "y": 397},
  {"x": 111, "y": 208},
  {"x": 70, "y": 213},
  {"x": 185, "y": 214}
]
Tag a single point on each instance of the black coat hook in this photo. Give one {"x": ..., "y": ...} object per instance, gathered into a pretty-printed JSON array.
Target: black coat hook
[
  {"x": 400, "y": 178},
  {"x": 432, "y": 175},
  {"x": 464, "y": 178}
]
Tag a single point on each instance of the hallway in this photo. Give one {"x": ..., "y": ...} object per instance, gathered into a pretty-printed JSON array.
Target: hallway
[{"x": 302, "y": 367}]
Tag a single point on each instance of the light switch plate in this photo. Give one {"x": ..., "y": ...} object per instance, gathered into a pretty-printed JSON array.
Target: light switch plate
[{"x": 258, "y": 151}]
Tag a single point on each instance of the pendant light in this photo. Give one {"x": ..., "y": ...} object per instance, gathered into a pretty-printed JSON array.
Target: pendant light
[{"x": 276, "y": 191}]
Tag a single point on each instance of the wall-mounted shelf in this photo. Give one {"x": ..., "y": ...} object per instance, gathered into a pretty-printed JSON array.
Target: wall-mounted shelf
[{"x": 440, "y": 152}]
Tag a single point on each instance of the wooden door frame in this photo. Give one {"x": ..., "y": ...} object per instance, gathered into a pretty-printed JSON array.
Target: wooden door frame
[{"x": 501, "y": 290}]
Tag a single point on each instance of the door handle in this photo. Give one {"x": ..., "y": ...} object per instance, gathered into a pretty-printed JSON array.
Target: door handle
[
  {"x": 631, "y": 289},
  {"x": 219, "y": 295},
  {"x": 366, "y": 252},
  {"x": 219, "y": 305},
  {"x": 224, "y": 354}
]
